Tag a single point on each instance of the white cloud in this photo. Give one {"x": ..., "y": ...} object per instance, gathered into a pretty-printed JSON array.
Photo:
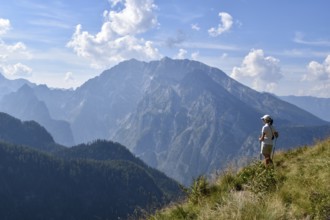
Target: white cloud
[
  {"x": 299, "y": 39},
  {"x": 195, "y": 55},
  {"x": 259, "y": 72},
  {"x": 69, "y": 77},
  {"x": 224, "y": 26},
  {"x": 102, "y": 54},
  {"x": 4, "y": 26},
  {"x": 181, "y": 54},
  {"x": 11, "y": 53},
  {"x": 318, "y": 74},
  {"x": 195, "y": 27},
  {"x": 318, "y": 71},
  {"x": 11, "y": 57},
  {"x": 16, "y": 50},
  {"x": 17, "y": 47},
  {"x": 117, "y": 38},
  {"x": 137, "y": 17},
  {"x": 16, "y": 70}
]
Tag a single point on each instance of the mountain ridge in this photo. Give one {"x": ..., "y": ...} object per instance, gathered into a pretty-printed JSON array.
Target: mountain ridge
[
  {"x": 180, "y": 116},
  {"x": 315, "y": 105},
  {"x": 26, "y": 133},
  {"x": 25, "y": 105},
  {"x": 36, "y": 185},
  {"x": 43, "y": 180}
]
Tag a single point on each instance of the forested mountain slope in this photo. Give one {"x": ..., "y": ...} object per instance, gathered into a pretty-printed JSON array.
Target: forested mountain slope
[
  {"x": 28, "y": 133},
  {"x": 101, "y": 180},
  {"x": 35, "y": 185}
]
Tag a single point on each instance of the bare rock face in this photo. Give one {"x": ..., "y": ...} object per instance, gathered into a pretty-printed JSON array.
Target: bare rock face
[{"x": 180, "y": 116}]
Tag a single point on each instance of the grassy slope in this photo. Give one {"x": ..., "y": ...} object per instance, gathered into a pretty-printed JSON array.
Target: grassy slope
[{"x": 297, "y": 187}]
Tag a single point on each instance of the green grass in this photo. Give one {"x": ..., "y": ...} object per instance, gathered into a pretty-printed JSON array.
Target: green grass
[{"x": 296, "y": 187}]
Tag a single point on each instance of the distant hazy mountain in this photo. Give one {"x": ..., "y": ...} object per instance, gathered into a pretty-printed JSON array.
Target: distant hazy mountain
[
  {"x": 25, "y": 105},
  {"x": 8, "y": 86},
  {"x": 180, "y": 116},
  {"x": 192, "y": 119},
  {"x": 317, "y": 106}
]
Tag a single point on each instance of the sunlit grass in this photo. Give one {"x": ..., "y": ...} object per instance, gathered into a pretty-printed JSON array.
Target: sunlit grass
[{"x": 296, "y": 187}]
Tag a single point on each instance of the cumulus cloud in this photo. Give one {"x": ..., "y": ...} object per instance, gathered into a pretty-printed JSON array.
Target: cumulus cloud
[
  {"x": 181, "y": 54},
  {"x": 224, "y": 26},
  {"x": 4, "y": 26},
  {"x": 117, "y": 39},
  {"x": 318, "y": 71},
  {"x": 16, "y": 70},
  {"x": 258, "y": 71},
  {"x": 137, "y": 17},
  {"x": 11, "y": 58},
  {"x": 195, "y": 55},
  {"x": 17, "y": 49},
  {"x": 11, "y": 53},
  {"x": 319, "y": 75}
]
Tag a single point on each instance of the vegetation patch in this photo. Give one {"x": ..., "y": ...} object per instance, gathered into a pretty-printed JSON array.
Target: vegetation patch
[{"x": 295, "y": 187}]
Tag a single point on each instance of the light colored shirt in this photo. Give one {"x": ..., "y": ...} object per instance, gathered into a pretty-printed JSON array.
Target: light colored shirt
[{"x": 269, "y": 132}]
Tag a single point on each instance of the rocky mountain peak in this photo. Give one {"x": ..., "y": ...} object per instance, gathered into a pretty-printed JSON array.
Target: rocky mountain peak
[{"x": 180, "y": 116}]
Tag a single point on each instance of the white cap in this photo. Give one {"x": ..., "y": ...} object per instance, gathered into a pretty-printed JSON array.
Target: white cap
[{"x": 266, "y": 117}]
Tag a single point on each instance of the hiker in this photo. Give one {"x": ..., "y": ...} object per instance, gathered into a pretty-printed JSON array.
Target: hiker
[{"x": 268, "y": 133}]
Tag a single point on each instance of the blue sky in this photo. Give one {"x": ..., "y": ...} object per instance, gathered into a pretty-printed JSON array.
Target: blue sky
[{"x": 277, "y": 46}]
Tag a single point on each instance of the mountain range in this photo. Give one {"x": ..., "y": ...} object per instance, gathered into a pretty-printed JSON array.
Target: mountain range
[
  {"x": 99, "y": 180},
  {"x": 180, "y": 116},
  {"x": 317, "y": 106}
]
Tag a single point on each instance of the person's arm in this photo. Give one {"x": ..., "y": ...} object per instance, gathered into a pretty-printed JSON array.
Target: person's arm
[{"x": 262, "y": 137}]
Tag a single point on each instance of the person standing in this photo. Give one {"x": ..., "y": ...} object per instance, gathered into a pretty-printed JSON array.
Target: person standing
[{"x": 268, "y": 133}]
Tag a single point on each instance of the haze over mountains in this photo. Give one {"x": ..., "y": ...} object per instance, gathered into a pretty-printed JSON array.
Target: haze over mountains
[
  {"x": 180, "y": 116},
  {"x": 101, "y": 180},
  {"x": 317, "y": 106}
]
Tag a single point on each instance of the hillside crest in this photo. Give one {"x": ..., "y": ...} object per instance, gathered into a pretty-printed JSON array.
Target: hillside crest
[{"x": 297, "y": 187}]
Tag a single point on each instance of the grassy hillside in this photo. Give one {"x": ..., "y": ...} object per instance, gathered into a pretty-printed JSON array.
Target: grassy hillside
[{"x": 296, "y": 187}]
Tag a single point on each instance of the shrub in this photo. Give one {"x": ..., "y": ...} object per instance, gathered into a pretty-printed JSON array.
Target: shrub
[
  {"x": 199, "y": 189},
  {"x": 257, "y": 178}
]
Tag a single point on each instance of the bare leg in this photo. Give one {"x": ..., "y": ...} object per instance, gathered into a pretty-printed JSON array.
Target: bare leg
[{"x": 268, "y": 160}]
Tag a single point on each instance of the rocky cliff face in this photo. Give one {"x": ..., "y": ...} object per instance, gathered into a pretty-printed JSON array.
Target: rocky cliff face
[
  {"x": 180, "y": 116},
  {"x": 193, "y": 119},
  {"x": 189, "y": 127}
]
